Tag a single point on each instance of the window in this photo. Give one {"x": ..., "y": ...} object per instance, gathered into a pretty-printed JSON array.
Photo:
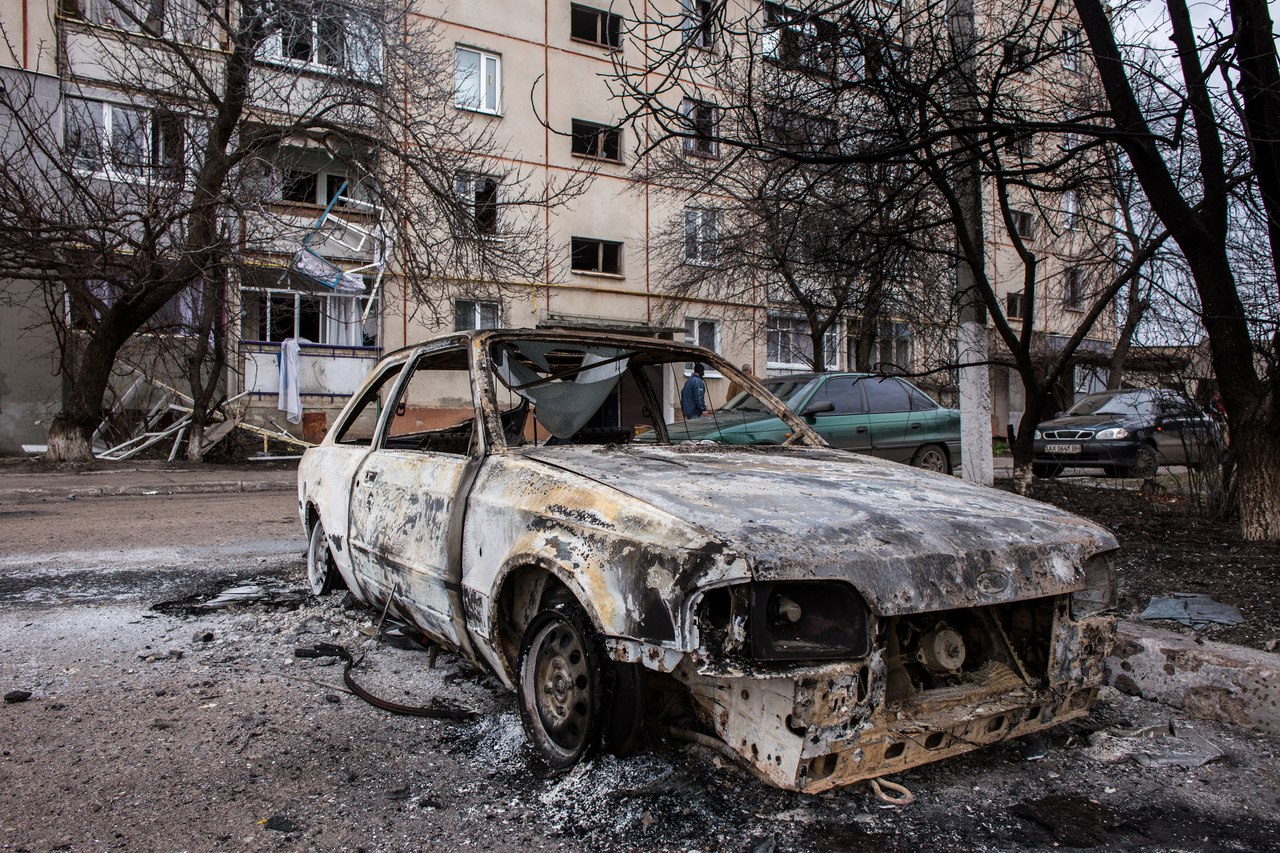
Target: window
[
  {"x": 1071, "y": 45},
  {"x": 471, "y": 314},
  {"x": 597, "y": 140},
  {"x": 791, "y": 346},
  {"x": 800, "y": 131},
  {"x": 703, "y": 333},
  {"x": 595, "y": 26},
  {"x": 435, "y": 412},
  {"x": 599, "y": 256},
  {"x": 885, "y": 395},
  {"x": 477, "y": 80},
  {"x": 327, "y": 37},
  {"x": 844, "y": 392},
  {"x": 88, "y": 299},
  {"x": 700, "y": 122},
  {"x": 1017, "y": 56},
  {"x": 799, "y": 40},
  {"x": 1075, "y": 290},
  {"x": 123, "y": 141},
  {"x": 479, "y": 195},
  {"x": 893, "y": 343},
  {"x": 701, "y": 235},
  {"x": 136, "y": 16},
  {"x": 1023, "y": 224},
  {"x": 1070, "y": 210},
  {"x": 272, "y": 315},
  {"x": 1014, "y": 305},
  {"x": 699, "y": 24}
]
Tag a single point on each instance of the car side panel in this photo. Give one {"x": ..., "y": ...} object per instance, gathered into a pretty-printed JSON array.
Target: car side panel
[{"x": 324, "y": 478}]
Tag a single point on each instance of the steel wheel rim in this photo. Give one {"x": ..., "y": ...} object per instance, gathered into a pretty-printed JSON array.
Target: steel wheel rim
[
  {"x": 558, "y": 677},
  {"x": 1145, "y": 463},
  {"x": 933, "y": 460},
  {"x": 317, "y": 560}
]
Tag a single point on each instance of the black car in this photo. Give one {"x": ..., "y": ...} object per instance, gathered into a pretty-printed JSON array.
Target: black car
[{"x": 1126, "y": 434}]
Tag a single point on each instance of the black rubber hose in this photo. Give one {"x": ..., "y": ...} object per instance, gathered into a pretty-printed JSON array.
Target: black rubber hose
[{"x": 438, "y": 709}]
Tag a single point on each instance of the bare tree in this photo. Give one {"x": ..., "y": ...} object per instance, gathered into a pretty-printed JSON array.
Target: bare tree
[
  {"x": 882, "y": 89},
  {"x": 1206, "y": 151},
  {"x": 182, "y": 151}
]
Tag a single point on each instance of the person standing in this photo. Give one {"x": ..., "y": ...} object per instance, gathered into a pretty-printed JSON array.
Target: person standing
[
  {"x": 693, "y": 397},
  {"x": 734, "y": 388}
]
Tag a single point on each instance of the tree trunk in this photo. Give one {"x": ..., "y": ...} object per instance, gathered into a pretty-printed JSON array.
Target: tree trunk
[
  {"x": 71, "y": 433},
  {"x": 1255, "y": 445}
]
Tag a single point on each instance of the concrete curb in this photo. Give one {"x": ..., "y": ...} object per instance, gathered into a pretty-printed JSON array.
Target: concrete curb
[
  {"x": 208, "y": 488},
  {"x": 1210, "y": 680}
]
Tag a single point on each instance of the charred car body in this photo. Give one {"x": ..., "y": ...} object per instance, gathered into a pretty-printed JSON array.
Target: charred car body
[{"x": 828, "y": 617}]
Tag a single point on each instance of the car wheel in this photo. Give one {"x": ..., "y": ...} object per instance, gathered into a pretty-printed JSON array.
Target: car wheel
[
  {"x": 1046, "y": 469},
  {"x": 560, "y": 686},
  {"x": 322, "y": 574},
  {"x": 931, "y": 457},
  {"x": 1145, "y": 463}
]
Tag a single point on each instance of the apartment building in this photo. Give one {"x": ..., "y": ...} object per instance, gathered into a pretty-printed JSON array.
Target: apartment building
[{"x": 537, "y": 81}]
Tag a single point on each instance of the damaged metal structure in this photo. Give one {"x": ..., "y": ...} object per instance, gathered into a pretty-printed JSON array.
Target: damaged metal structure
[{"x": 826, "y": 617}]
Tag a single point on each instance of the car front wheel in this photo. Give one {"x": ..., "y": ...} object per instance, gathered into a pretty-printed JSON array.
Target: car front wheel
[
  {"x": 931, "y": 457},
  {"x": 560, "y": 686},
  {"x": 1145, "y": 464}
]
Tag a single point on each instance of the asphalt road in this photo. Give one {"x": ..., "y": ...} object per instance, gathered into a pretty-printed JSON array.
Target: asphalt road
[{"x": 181, "y": 729}]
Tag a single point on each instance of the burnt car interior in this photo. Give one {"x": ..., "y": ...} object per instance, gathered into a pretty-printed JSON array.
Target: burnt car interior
[{"x": 582, "y": 393}]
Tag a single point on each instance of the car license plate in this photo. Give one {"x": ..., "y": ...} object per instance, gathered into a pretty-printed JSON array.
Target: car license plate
[{"x": 1062, "y": 448}]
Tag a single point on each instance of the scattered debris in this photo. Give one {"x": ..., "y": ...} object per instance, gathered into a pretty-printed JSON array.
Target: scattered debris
[
  {"x": 1191, "y": 609},
  {"x": 1169, "y": 745},
  {"x": 15, "y": 696},
  {"x": 265, "y": 591}
]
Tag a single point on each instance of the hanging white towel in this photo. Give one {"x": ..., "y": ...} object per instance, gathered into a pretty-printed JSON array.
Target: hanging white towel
[{"x": 290, "y": 400}]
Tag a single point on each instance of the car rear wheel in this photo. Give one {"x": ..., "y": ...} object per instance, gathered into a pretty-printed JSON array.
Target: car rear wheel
[
  {"x": 560, "y": 688},
  {"x": 1046, "y": 469},
  {"x": 322, "y": 573},
  {"x": 931, "y": 457}
]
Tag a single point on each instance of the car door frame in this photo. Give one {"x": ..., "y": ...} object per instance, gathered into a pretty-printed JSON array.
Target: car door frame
[{"x": 458, "y": 635}]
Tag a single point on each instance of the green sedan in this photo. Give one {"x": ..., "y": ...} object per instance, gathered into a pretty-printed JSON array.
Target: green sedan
[{"x": 881, "y": 415}]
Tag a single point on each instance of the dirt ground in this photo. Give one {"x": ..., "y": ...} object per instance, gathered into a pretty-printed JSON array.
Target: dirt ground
[
  {"x": 1165, "y": 547},
  {"x": 179, "y": 729}
]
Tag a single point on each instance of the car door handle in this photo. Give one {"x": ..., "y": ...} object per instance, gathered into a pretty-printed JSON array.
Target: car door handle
[
  {"x": 370, "y": 476},
  {"x": 860, "y": 430},
  {"x": 917, "y": 426}
]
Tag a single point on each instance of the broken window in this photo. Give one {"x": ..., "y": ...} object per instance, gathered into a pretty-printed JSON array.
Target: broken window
[
  {"x": 797, "y": 39},
  {"x": 595, "y": 26},
  {"x": 1076, "y": 297},
  {"x": 1015, "y": 305},
  {"x": 700, "y": 119},
  {"x": 699, "y": 24},
  {"x": 434, "y": 412},
  {"x": 477, "y": 80},
  {"x": 598, "y": 256},
  {"x": 136, "y": 16},
  {"x": 479, "y": 196},
  {"x": 327, "y": 37},
  {"x": 566, "y": 383},
  {"x": 272, "y": 315},
  {"x": 597, "y": 140},
  {"x": 1023, "y": 224},
  {"x": 123, "y": 141}
]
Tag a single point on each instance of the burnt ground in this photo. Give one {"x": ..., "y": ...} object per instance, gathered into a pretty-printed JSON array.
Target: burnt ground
[
  {"x": 170, "y": 727},
  {"x": 1167, "y": 547}
]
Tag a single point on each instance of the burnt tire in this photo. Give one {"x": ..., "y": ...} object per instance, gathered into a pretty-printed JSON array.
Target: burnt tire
[
  {"x": 322, "y": 573},
  {"x": 1048, "y": 470},
  {"x": 932, "y": 457},
  {"x": 561, "y": 688}
]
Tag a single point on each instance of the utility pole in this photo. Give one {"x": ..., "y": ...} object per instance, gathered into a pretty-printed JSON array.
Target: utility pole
[{"x": 975, "y": 384}]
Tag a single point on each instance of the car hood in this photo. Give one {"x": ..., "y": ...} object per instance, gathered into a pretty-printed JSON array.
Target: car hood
[{"x": 909, "y": 540}]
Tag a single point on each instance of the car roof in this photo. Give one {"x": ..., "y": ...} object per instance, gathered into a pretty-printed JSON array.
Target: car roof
[{"x": 695, "y": 352}]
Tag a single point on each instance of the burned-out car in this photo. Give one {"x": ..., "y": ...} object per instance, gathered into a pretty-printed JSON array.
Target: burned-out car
[{"x": 827, "y": 617}]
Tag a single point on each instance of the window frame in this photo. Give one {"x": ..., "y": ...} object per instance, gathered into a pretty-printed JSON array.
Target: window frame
[
  {"x": 815, "y": 41},
  {"x": 1016, "y": 299},
  {"x": 1072, "y": 43},
  {"x": 701, "y": 236},
  {"x": 1074, "y": 297},
  {"x": 476, "y": 308},
  {"x": 831, "y": 341},
  {"x": 698, "y": 144},
  {"x": 698, "y": 24},
  {"x": 898, "y": 335},
  {"x": 603, "y": 20},
  {"x": 600, "y": 244},
  {"x": 1024, "y": 224},
  {"x": 1070, "y": 210},
  {"x": 326, "y": 316},
  {"x": 470, "y": 200},
  {"x": 482, "y": 89},
  {"x": 151, "y": 125},
  {"x": 692, "y": 327},
  {"x": 360, "y": 59},
  {"x": 600, "y": 135}
]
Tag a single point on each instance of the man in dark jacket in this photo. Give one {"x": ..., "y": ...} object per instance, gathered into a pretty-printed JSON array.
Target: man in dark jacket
[{"x": 693, "y": 397}]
